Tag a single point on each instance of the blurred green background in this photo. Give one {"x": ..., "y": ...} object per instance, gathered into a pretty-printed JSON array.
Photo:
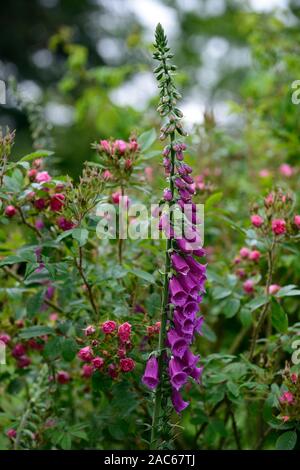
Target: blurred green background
[{"x": 84, "y": 70}]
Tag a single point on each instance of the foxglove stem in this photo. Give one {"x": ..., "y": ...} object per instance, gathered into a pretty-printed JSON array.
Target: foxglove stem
[{"x": 164, "y": 317}]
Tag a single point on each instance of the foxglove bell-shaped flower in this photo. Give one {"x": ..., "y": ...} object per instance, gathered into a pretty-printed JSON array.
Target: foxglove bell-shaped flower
[
  {"x": 177, "y": 376},
  {"x": 178, "y": 402},
  {"x": 150, "y": 377}
]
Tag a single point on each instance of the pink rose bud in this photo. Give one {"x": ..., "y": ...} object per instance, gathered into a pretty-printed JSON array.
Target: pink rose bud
[
  {"x": 254, "y": 255},
  {"x": 112, "y": 371},
  {"x": 11, "y": 433},
  {"x": 23, "y": 361},
  {"x": 89, "y": 330},
  {"x": 63, "y": 377},
  {"x": 274, "y": 288},
  {"x": 105, "y": 146},
  {"x": 297, "y": 221},
  {"x": 149, "y": 173},
  {"x": 32, "y": 174},
  {"x": 107, "y": 175},
  {"x": 264, "y": 173},
  {"x": 133, "y": 145},
  {"x": 98, "y": 362},
  {"x": 57, "y": 202},
  {"x": 278, "y": 226},
  {"x": 10, "y": 211},
  {"x": 286, "y": 170},
  {"x": 248, "y": 286},
  {"x": 43, "y": 177},
  {"x": 87, "y": 370},
  {"x": 128, "y": 164},
  {"x": 269, "y": 200},
  {"x": 120, "y": 146},
  {"x": 109, "y": 326},
  {"x": 257, "y": 220},
  {"x": 37, "y": 163},
  {"x": 285, "y": 418},
  {"x": 244, "y": 252},
  {"x": 5, "y": 338},
  {"x": 40, "y": 203},
  {"x": 18, "y": 350},
  {"x": 287, "y": 397},
  {"x": 116, "y": 197},
  {"x": 294, "y": 378}
]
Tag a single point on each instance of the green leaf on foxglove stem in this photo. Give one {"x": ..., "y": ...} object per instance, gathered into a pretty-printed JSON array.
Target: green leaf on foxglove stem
[
  {"x": 286, "y": 441},
  {"x": 279, "y": 317}
]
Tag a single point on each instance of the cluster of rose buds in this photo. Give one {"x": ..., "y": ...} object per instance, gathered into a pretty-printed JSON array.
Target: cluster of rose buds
[
  {"x": 117, "y": 155},
  {"x": 103, "y": 353},
  {"x": 44, "y": 195},
  {"x": 289, "y": 400},
  {"x": 19, "y": 351},
  {"x": 275, "y": 217}
]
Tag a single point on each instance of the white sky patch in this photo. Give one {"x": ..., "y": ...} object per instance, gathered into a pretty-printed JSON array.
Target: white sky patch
[
  {"x": 136, "y": 92},
  {"x": 42, "y": 58},
  {"x": 267, "y": 5},
  {"x": 59, "y": 114},
  {"x": 111, "y": 50},
  {"x": 193, "y": 113},
  {"x": 29, "y": 91}
]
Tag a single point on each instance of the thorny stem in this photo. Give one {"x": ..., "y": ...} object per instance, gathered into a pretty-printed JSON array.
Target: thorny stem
[
  {"x": 266, "y": 306},
  {"x": 235, "y": 429},
  {"x": 2, "y": 169},
  {"x": 28, "y": 224},
  {"x": 164, "y": 317},
  {"x": 79, "y": 266},
  {"x": 21, "y": 280},
  {"x": 120, "y": 240}
]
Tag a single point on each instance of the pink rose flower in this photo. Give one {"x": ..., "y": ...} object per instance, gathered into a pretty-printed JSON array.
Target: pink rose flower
[
  {"x": 127, "y": 364},
  {"x": 43, "y": 177},
  {"x": 98, "y": 362},
  {"x": 109, "y": 326},
  {"x": 86, "y": 354},
  {"x": 278, "y": 226}
]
